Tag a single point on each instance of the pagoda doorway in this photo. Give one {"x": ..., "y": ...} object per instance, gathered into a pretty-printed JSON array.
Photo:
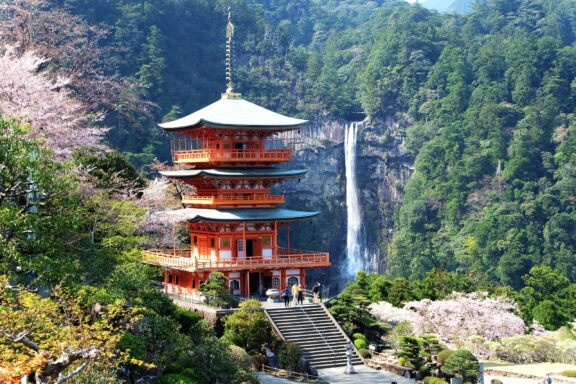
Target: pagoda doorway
[
  {"x": 255, "y": 283},
  {"x": 249, "y": 248}
]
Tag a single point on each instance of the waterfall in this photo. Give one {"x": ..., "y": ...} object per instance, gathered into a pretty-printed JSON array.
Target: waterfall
[{"x": 355, "y": 260}]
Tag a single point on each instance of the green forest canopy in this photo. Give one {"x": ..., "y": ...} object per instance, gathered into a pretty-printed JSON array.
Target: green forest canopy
[{"x": 489, "y": 99}]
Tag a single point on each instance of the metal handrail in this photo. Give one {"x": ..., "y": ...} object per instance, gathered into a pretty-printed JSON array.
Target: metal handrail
[
  {"x": 206, "y": 299},
  {"x": 317, "y": 330},
  {"x": 275, "y": 372}
]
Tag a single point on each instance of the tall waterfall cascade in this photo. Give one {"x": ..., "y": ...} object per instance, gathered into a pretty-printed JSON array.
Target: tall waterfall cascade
[{"x": 355, "y": 260}]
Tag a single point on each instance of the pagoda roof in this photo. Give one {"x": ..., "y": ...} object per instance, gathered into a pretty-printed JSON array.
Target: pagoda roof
[
  {"x": 225, "y": 173},
  {"x": 234, "y": 112},
  {"x": 235, "y": 215}
]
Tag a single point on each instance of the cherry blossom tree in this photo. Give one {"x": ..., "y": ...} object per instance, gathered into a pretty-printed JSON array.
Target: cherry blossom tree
[
  {"x": 458, "y": 317},
  {"x": 50, "y": 110},
  {"x": 73, "y": 50}
]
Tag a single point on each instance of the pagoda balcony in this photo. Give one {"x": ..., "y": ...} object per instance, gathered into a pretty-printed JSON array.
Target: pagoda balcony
[
  {"x": 181, "y": 259},
  {"x": 234, "y": 199},
  {"x": 232, "y": 155}
]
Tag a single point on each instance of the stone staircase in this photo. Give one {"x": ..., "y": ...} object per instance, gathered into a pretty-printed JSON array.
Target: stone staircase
[{"x": 315, "y": 331}]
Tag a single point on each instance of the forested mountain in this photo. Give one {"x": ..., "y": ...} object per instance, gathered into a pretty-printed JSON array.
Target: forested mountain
[
  {"x": 487, "y": 99},
  {"x": 483, "y": 111}
]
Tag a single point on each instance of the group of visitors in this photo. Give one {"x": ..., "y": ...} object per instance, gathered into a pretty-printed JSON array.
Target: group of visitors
[{"x": 297, "y": 294}]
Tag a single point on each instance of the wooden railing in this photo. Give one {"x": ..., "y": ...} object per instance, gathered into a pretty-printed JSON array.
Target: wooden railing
[
  {"x": 232, "y": 155},
  {"x": 181, "y": 259},
  {"x": 287, "y": 374},
  {"x": 234, "y": 199}
]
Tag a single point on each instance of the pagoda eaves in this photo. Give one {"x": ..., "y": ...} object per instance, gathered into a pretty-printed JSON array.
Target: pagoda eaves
[{"x": 234, "y": 113}]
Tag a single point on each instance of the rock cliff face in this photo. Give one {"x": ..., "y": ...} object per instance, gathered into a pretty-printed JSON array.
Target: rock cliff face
[{"x": 382, "y": 169}]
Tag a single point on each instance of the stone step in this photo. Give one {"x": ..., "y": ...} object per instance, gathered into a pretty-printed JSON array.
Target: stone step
[
  {"x": 314, "y": 331},
  {"x": 319, "y": 333},
  {"x": 321, "y": 358},
  {"x": 318, "y": 339}
]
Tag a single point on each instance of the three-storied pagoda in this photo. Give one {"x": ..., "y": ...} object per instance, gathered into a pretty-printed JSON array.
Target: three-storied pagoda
[{"x": 229, "y": 152}]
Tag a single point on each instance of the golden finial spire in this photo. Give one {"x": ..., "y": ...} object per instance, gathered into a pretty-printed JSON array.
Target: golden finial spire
[
  {"x": 230, "y": 94},
  {"x": 229, "y": 37}
]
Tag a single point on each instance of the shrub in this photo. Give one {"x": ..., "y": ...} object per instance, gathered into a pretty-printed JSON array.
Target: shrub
[
  {"x": 248, "y": 327},
  {"x": 289, "y": 355},
  {"x": 496, "y": 381},
  {"x": 443, "y": 355},
  {"x": 240, "y": 356},
  {"x": 217, "y": 290},
  {"x": 434, "y": 380},
  {"x": 410, "y": 349},
  {"x": 365, "y": 353},
  {"x": 258, "y": 361},
  {"x": 403, "y": 361},
  {"x": 423, "y": 371},
  {"x": 359, "y": 336},
  {"x": 360, "y": 344},
  {"x": 175, "y": 378},
  {"x": 462, "y": 364},
  {"x": 187, "y": 319},
  {"x": 569, "y": 373}
]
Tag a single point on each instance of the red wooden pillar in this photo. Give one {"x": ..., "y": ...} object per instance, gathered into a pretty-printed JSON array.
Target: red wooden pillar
[
  {"x": 282, "y": 279},
  {"x": 275, "y": 244},
  {"x": 248, "y": 283},
  {"x": 165, "y": 281},
  {"x": 303, "y": 277},
  {"x": 244, "y": 241}
]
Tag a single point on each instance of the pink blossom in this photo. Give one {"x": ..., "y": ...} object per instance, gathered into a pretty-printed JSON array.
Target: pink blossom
[
  {"x": 461, "y": 316},
  {"x": 458, "y": 318},
  {"x": 53, "y": 114}
]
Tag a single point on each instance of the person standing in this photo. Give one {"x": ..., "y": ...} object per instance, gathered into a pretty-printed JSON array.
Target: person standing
[
  {"x": 316, "y": 291},
  {"x": 286, "y": 296},
  {"x": 295, "y": 291},
  {"x": 300, "y": 295}
]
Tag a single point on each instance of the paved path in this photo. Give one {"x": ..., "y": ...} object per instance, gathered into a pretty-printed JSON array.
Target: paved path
[
  {"x": 268, "y": 379},
  {"x": 363, "y": 375},
  {"x": 337, "y": 376}
]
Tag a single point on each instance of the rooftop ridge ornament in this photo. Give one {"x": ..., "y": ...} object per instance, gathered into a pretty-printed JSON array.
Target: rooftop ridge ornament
[{"x": 230, "y": 94}]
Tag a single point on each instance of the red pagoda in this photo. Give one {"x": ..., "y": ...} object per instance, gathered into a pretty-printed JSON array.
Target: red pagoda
[{"x": 229, "y": 153}]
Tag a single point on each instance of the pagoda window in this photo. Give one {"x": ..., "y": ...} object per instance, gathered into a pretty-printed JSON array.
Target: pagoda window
[
  {"x": 275, "y": 282},
  {"x": 212, "y": 242},
  {"x": 224, "y": 242},
  {"x": 195, "y": 240},
  {"x": 234, "y": 285},
  {"x": 177, "y": 280},
  {"x": 193, "y": 283},
  {"x": 267, "y": 241},
  {"x": 169, "y": 278}
]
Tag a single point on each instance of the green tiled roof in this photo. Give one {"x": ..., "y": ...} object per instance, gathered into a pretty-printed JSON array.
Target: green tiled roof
[
  {"x": 226, "y": 172},
  {"x": 234, "y": 113},
  {"x": 236, "y": 215}
]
